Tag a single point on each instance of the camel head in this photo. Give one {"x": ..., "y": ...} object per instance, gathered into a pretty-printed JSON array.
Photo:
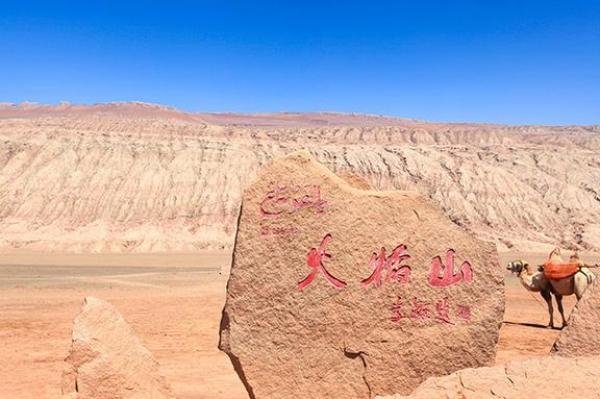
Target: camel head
[
  {"x": 517, "y": 266},
  {"x": 555, "y": 256}
]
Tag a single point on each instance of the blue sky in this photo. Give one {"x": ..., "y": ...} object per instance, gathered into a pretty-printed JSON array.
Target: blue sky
[{"x": 490, "y": 61}]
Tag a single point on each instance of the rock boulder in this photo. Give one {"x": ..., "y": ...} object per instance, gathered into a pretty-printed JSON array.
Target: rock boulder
[
  {"x": 581, "y": 337},
  {"x": 341, "y": 292},
  {"x": 107, "y": 360},
  {"x": 545, "y": 377}
]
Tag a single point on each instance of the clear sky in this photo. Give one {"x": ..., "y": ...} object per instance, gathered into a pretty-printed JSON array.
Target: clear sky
[{"x": 491, "y": 61}]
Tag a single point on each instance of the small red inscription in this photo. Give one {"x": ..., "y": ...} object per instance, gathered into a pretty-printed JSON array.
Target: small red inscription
[
  {"x": 267, "y": 231},
  {"x": 420, "y": 310},
  {"x": 392, "y": 265},
  {"x": 281, "y": 200},
  {"x": 397, "y": 313},
  {"x": 449, "y": 276},
  {"x": 463, "y": 312},
  {"x": 314, "y": 259},
  {"x": 442, "y": 310}
]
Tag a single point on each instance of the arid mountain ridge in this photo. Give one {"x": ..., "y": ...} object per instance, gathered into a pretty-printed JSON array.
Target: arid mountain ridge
[{"x": 142, "y": 177}]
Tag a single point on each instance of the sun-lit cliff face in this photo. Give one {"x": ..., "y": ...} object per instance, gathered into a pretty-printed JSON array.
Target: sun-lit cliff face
[{"x": 139, "y": 177}]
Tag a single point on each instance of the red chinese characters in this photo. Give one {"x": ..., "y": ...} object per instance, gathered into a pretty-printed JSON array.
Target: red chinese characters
[
  {"x": 421, "y": 311},
  {"x": 268, "y": 231},
  {"x": 442, "y": 310},
  {"x": 392, "y": 267},
  {"x": 444, "y": 275},
  {"x": 314, "y": 259},
  {"x": 463, "y": 312},
  {"x": 397, "y": 313},
  {"x": 281, "y": 200}
]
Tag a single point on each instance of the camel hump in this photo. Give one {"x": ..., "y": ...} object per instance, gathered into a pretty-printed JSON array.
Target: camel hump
[
  {"x": 555, "y": 256},
  {"x": 575, "y": 259}
]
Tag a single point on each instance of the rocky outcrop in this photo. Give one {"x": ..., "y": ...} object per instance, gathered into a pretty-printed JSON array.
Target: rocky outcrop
[
  {"x": 107, "y": 360},
  {"x": 580, "y": 337},
  {"x": 545, "y": 377},
  {"x": 137, "y": 177},
  {"x": 341, "y": 292}
]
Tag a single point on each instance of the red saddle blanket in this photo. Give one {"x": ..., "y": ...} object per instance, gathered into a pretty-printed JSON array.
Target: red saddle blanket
[{"x": 558, "y": 271}]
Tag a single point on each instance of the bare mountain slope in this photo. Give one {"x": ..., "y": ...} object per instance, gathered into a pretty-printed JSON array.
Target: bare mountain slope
[{"x": 141, "y": 177}]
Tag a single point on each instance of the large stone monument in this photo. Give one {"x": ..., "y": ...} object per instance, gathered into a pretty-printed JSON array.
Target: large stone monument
[{"x": 341, "y": 292}]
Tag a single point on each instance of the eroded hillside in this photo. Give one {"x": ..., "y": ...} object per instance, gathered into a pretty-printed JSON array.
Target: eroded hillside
[{"x": 138, "y": 177}]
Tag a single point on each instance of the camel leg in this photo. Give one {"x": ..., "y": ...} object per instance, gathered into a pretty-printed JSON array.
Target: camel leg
[
  {"x": 548, "y": 298},
  {"x": 560, "y": 309},
  {"x": 580, "y": 284}
]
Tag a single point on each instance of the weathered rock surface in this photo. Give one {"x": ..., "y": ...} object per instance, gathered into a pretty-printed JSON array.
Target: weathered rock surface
[
  {"x": 546, "y": 377},
  {"x": 137, "y": 177},
  {"x": 581, "y": 337},
  {"x": 107, "y": 360},
  {"x": 341, "y": 292}
]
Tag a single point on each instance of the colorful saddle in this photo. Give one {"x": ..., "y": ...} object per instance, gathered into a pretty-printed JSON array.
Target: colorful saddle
[{"x": 558, "y": 271}]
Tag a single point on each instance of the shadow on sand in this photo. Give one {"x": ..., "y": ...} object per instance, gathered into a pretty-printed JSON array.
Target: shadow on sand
[{"x": 512, "y": 323}]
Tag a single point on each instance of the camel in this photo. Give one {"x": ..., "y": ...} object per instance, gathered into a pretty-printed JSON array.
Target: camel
[
  {"x": 535, "y": 281},
  {"x": 575, "y": 284}
]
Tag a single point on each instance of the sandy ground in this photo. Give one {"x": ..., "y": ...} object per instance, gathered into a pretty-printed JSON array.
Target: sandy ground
[{"x": 173, "y": 302}]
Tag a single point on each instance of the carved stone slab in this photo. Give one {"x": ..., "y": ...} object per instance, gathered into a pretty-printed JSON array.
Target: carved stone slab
[{"x": 341, "y": 292}]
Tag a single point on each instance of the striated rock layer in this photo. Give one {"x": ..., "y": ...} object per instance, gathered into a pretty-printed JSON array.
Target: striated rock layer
[
  {"x": 139, "y": 177},
  {"x": 341, "y": 292},
  {"x": 107, "y": 360},
  {"x": 545, "y": 377}
]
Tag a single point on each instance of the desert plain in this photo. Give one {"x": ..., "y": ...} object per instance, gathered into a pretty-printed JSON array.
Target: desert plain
[
  {"x": 137, "y": 205},
  {"x": 174, "y": 304}
]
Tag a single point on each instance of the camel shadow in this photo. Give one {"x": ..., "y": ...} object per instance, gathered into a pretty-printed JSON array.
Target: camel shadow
[{"x": 534, "y": 325}]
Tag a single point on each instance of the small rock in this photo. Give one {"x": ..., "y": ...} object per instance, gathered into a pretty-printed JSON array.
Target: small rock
[{"x": 107, "y": 360}]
